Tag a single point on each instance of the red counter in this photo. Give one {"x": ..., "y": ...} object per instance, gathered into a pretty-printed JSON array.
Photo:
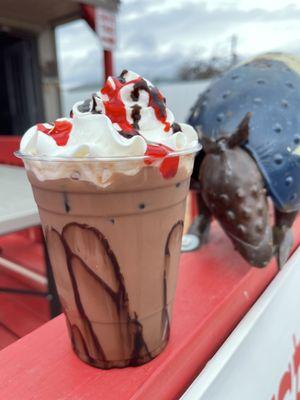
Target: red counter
[{"x": 216, "y": 288}]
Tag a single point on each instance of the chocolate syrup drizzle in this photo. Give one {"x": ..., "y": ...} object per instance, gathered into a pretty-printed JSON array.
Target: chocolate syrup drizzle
[
  {"x": 66, "y": 202},
  {"x": 176, "y": 127},
  {"x": 127, "y": 135},
  {"x": 136, "y": 116},
  {"x": 133, "y": 331},
  {"x": 115, "y": 108},
  {"x": 119, "y": 298},
  {"x": 75, "y": 332},
  {"x": 94, "y": 105},
  {"x": 121, "y": 77},
  {"x": 156, "y": 100},
  {"x": 165, "y": 319}
]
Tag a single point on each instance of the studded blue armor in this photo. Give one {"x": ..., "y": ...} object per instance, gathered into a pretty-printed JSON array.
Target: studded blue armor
[{"x": 269, "y": 88}]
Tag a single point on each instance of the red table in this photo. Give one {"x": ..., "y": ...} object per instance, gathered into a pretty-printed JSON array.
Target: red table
[{"x": 216, "y": 288}]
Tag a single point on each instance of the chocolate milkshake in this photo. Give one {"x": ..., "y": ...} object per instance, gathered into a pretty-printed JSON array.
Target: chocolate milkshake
[{"x": 111, "y": 190}]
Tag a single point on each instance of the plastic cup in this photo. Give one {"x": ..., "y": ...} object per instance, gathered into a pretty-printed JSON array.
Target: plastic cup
[{"x": 113, "y": 228}]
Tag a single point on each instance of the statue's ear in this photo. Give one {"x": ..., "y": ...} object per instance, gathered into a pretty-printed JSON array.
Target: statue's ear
[
  {"x": 209, "y": 146},
  {"x": 240, "y": 136}
]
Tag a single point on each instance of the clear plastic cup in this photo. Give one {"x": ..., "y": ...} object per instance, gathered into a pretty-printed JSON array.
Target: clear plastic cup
[{"x": 113, "y": 228}]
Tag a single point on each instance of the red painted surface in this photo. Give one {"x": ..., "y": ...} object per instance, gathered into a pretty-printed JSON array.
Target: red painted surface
[
  {"x": 21, "y": 249},
  {"x": 6, "y": 337},
  {"x": 216, "y": 288},
  {"x": 19, "y": 314},
  {"x": 8, "y": 145}
]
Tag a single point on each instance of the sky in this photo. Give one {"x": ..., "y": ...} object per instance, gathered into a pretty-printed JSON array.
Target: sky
[{"x": 155, "y": 38}]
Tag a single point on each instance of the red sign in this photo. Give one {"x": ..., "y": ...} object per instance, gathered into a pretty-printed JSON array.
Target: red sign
[{"x": 106, "y": 27}]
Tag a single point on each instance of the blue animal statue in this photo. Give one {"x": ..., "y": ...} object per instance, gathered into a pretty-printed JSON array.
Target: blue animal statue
[{"x": 249, "y": 125}]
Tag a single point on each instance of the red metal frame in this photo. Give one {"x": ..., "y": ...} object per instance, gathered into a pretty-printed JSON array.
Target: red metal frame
[{"x": 88, "y": 14}]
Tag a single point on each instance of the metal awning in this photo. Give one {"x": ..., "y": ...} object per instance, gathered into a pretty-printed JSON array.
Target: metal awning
[{"x": 35, "y": 14}]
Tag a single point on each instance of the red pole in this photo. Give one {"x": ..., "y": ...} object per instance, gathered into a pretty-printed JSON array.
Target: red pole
[
  {"x": 108, "y": 64},
  {"x": 88, "y": 13}
]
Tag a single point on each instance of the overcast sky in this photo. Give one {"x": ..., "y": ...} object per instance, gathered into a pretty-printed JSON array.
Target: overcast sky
[{"x": 156, "y": 37}]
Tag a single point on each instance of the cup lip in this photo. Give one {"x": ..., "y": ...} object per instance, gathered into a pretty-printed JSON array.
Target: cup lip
[{"x": 191, "y": 150}]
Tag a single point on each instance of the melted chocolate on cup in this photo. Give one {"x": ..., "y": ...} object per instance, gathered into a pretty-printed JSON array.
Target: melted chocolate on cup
[{"x": 85, "y": 341}]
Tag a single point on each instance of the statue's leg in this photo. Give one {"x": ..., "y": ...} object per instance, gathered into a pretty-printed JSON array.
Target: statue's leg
[
  {"x": 199, "y": 230},
  {"x": 233, "y": 190},
  {"x": 201, "y": 224},
  {"x": 282, "y": 235}
]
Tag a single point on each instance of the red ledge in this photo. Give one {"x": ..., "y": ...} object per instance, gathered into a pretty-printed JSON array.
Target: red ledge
[{"x": 216, "y": 288}]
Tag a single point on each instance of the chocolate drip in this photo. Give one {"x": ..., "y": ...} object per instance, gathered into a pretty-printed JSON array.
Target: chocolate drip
[
  {"x": 167, "y": 246},
  {"x": 87, "y": 323},
  {"x": 165, "y": 319},
  {"x": 128, "y": 135},
  {"x": 66, "y": 203},
  {"x": 176, "y": 127},
  {"x": 78, "y": 341},
  {"x": 94, "y": 105},
  {"x": 156, "y": 100},
  {"x": 137, "y": 87},
  {"x": 131, "y": 329},
  {"x": 136, "y": 116},
  {"x": 139, "y": 344},
  {"x": 121, "y": 78},
  {"x": 87, "y": 326}
]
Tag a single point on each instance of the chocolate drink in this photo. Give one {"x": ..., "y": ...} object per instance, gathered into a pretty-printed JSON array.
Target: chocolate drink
[
  {"x": 110, "y": 183},
  {"x": 115, "y": 254}
]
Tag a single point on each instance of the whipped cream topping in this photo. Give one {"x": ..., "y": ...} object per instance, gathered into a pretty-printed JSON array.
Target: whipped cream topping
[{"x": 127, "y": 117}]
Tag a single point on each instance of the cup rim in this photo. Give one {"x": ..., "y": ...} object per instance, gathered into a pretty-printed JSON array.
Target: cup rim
[{"x": 191, "y": 150}]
